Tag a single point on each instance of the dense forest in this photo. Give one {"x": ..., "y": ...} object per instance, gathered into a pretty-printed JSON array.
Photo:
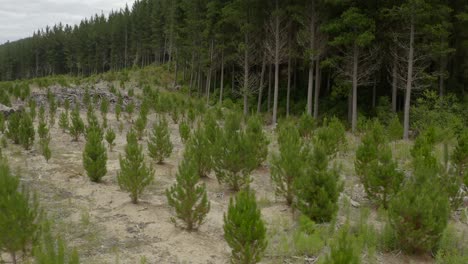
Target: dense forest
[{"x": 323, "y": 55}]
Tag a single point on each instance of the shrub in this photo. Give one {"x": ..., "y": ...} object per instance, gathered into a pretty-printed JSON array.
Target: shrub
[
  {"x": 53, "y": 250},
  {"x": 2, "y": 123},
  {"x": 374, "y": 165},
  {"x": 32, "y": 108},
  {"x": 419, "y": 212},
  {"x": 344, "y": 249},
  {"x": 110, "y": 138},
  {"x": 159, "y": 144},
  {"x": 14, "y": 121},
  {"x": 288, "y": 165},
  {"x": 134, "y": 175},
  {"x": 94, "y": 155},
  {"x": 63, "y": 121},
  {"x": 460, "y": 156},
  {"x": 52, "y": 110},
  {"x": 331, "y": 136},
  {"x": 20, "y": 213},
  {"x": 187, "y": 196},
  {"x": 394, "y": 129},
  {"x": 200, "y": 148},
  {"x": 140, "y": 126},
  {"x": 244, "y": 230},
  {"x": 318, "y": 188}
]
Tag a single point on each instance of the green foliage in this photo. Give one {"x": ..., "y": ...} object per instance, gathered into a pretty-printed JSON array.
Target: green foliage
[
  {"x": 394, "y": 129},
  {"x": 26, "y": 131},
  {"x": 452, "y": 247},
  {"x": 244, "y": 230},
  {"x": 187, "y": 196},
  {"x": 53, "y": 250},
  {"x": 306, "y": 125},
  {"x": 14, "y": 121},
  {"x": 419, "y": 212},
  {"x": 52, "y": 110},
  {"x": 95, "y": 155},
  {"x": 2, "y": 123},
  {"x": 460, "y": 156},
  {"x": 134, "y": 175},
  {"x": 331, "y": 136},
  {"x": 44, "y": 139},
  {"x": 374, "y": 165},
  {"x": 77, "y": 124},
  {"x": 159, "y": 144},
  {"x": 288, "y": 165},
  {"x": 130, "y": 108},
  {"x": 118, "y": 111},
  {"x": 318, "y": 188},
  {"x": 235, "y": 156},
  {"x": 110, "y": 138},
  {"x": 184, "y": 131},
  {"x": 199, "y": 147},
  {"x": 20, "y": 213},
  {"x": 32, "y": 108},
  {"x": 63, "y": 121},
  {"x": 258, "y": 139},
  {"x": 140, "y": 125},
  {"x": 344, "y": 249}
]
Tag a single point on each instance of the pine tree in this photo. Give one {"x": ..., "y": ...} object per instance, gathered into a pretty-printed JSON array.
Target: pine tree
[
  {"x": 2, "y": 123},
  {"x": 184, "y": 131},
  {"x": 134, "y": 175},
  {"x": 77, "y": 125},
  {"x": 44, "y": 139},
  {"x": 63, "y": 121},
  {"x": 53, "y": 250},
  {"x": 26, "y": 131},
  {"x": 95, "y": 155},
  {"x": 331, "y": 136},
  {"x": 460, "y": 156},
  {"x": 140, "y": 126},
  {"x": 199, "y": 147},
  {"x": 14, "y": 121},
  {"x": 20, "y": 214},
  {"x": 32, "y": 108},
  {"x": 344, "y": 249},
  {"x": 288, "y": 165},
  {"x": 104, "y": 110},
  {"x": 110, "y": 137},
  {"x": 118, "y": 111},
  {"x": 187, "y": 196},
  {"x": 318, "y": 188},
  {"x": 374, "y": 165},
  {"x": 244, "y": 230},
  {"x": 52, "y": 110},
  {"x": 258, "y": 139},
  {"x": 306, "y": 125},
  {"x": 159, "y": 144}
]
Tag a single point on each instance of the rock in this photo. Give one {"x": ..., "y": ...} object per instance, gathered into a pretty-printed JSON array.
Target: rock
[
  {"x": 354, "y": 203},
  {"x": 6, "y": 111}
]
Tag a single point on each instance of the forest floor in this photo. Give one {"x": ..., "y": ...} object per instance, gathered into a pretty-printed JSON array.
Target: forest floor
[{"x": 101, "y": 222}]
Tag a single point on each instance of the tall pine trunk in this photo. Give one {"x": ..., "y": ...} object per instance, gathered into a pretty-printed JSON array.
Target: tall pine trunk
[
  {"x": 409, "y": 82},
  {"x": 269, "y": 89},
  {"x": 394, "y": 84},
  {"x": 277, "y": 62},
  {"x": 208, "y": 77},
  {"x": 288, "y": 91},
  {"x": 262, "y": 83},
  {"x": 317, "y": 87},
  {"x": 355, "y": 86},
  {"x": 311, "y": 63},
  {"x": 246, "y": 74},
  {"x": 221, "y": 90}
]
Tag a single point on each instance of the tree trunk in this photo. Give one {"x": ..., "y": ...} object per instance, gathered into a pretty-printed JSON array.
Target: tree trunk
[
  {"x": 409, "y": 82},
  {"x": 208, "y": 76},
  {"x": 262, "y": 80},
  {"x": 374, "y": 95},
  {"x": 311, "y": 65},
  {"x": 269, "y": 89},
  {"x": 288, "y": 91},
  {"x": 394, "y": 84},
  {"x": 355, "y": 86},
  {"x": 277, "y": 62},
  {"x": 317, "y": 87},
  {"x": 246, "y": 74},
  {"x": 441, "y": 77},
  {"x": 221, "y": 90}
]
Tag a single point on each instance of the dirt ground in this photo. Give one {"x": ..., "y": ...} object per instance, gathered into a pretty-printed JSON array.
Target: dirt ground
[{"x": 101, "y": 222}]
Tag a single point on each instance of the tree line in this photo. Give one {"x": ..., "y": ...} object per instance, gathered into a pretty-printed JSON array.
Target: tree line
[{"x": 278, "y": 56}]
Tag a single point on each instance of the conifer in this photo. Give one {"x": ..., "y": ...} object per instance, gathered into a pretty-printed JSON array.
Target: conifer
[
  {"x": 288, "y": 165},
  {"x": 52, "y": 110},
  {"x": 159, "y": 143},
  {"x": 140, "y": 126},
  {"x": 63, "y": 121},
  {"x": 51, "y": 250},
  {"x": 318, "y": 188},
  {"x": 19, "y": 215},
  {"x": 77, "y": 125},
  {"x": 134, "y": 175},
  {"x": 184, "y": 131},
  {"x": 26, "y": 131},
  {"x": 187, "y": 196},
  {"x": 244, "y": 230},
  {"x": 110, "y": 138},
  {"x": 331, "y": 136},
  {"x": 200, "y": 148},
  {"x": 14, "y": 121},
  {"x": 258, "y": 139},
  {"x": 94, "y": 155}
]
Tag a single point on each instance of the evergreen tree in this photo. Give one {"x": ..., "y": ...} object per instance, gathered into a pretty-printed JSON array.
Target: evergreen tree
[
  {"x": 52, "y": 110},
  {"x": 118, "y": 111},
  {"x": 331, "y": 136},
  {"x": 53, "y": 250},
  {"x": 184, "y": 131},
  {"x": 2, "y": 123},
  {"x": 258, "y": 139},
  {"x": 134, "y": 175},
  {"x": 26, "y": 131},
  {"x": 187, "y": 196},
  {"x": 20, "y": 214},
  {"x": 244, "y": 230},
  {"x": 104, "y": 110},
  {"x": 110, "y": 137},
  {"x": 63, "y": 121},
  {"x": 306, "y": 125},
  {"x": 318, "y": 188},
  {"x": 159, "y": 144},
  {"x": 374, "y": 165},
  {"x": 14, "y": 121},
  {"x": 199, "y": 147},
  {"x": 77, "y": 125},
  {"x": 460, "y": 156},
  {"x": 95, "y": 155},
  {"x": 44, "y": 139},
  {"x": 288, "y": 165},
  {"x": 32, "y": 108},
  {"x": 140, "y": 126},
  {"x": 344, "y": 249}
]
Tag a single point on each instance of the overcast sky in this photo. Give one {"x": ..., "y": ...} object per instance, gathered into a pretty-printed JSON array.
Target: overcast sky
[{"x": 20, "y": 18}]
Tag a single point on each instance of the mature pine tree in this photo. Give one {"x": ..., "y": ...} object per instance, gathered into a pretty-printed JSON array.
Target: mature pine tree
[
  {"x": 244, "y": 230},
  {"x": 187, "y": 196},
  {"x": 134, "y": 176},
  {"x": 159, "y": 144}
]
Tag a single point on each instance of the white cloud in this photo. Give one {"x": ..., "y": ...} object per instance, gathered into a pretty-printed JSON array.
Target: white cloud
[{"x": 20, "y": 18}]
